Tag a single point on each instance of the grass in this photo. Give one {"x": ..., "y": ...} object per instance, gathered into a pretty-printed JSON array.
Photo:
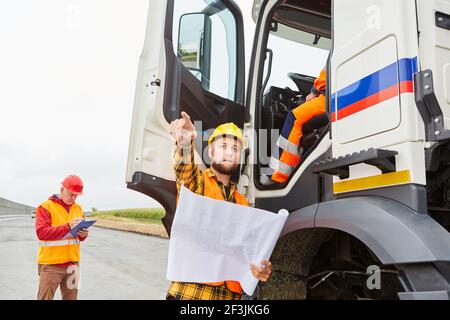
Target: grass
[{"x": 152, "y": 215}]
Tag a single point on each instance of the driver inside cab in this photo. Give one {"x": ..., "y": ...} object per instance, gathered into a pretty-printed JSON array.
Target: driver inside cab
[{"x": 286, "y": 155}]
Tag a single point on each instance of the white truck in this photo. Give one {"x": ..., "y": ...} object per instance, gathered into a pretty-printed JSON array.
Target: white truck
[{"x": 371, "y": 196}]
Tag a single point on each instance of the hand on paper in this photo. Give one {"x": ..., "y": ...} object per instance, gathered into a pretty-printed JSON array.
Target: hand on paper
[{"x": 262, "y": 272}]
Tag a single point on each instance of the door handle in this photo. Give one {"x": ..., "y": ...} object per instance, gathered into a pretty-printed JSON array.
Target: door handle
[{"x": 156, "y": 83}]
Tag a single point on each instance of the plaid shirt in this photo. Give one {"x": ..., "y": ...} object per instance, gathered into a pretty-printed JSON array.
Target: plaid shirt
[{"x": 187, "y": 173}]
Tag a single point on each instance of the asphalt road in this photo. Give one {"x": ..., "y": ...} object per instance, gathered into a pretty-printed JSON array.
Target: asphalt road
[{"x": 114, "y": 264}]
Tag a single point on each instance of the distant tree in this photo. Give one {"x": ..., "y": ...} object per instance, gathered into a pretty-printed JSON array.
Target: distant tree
[{"x": 94, "y": 209}]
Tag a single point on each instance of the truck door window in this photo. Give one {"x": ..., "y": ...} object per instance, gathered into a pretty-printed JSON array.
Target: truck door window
[
  {"x": 292, "y": 54},
  {"x": 297, "y": 59},
  {"x": 205, "y": 40}
]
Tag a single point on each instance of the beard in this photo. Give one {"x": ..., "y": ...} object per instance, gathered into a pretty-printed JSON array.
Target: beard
[{"x": 224, "y": 169}]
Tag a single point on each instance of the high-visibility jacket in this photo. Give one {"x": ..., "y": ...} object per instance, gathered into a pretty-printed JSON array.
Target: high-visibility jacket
[
  {"x": 284, "y": 160},
  {"x": 60, "y": 251},
  {"x": 320, "y": 84},
  {"x": 212, "y": 189}
]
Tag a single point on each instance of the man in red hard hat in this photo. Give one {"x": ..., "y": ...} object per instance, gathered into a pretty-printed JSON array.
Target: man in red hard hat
[{"x": 58, "y": 258}]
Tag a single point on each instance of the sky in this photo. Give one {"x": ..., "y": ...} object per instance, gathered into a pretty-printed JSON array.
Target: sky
[{"x": 68, "y": 72}]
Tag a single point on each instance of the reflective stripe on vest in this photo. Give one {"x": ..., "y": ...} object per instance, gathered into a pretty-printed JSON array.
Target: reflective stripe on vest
[{"x": 58, "y": 243}]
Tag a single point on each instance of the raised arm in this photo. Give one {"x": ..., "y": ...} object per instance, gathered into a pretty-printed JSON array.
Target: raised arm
[{"x": 186, "y": 170}]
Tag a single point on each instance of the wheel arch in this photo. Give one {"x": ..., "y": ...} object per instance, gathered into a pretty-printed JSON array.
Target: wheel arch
[{"x": 393, "y": 232}]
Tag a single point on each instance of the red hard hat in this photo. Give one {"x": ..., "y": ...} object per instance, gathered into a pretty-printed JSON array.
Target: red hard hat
[{"x": 74, "y": 184}]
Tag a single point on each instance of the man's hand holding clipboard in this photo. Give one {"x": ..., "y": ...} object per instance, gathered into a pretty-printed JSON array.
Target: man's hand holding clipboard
[{"x": 79, "y": 229}]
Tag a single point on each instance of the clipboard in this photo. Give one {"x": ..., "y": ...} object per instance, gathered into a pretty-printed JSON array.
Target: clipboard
[{"x": 82, "y": 225}]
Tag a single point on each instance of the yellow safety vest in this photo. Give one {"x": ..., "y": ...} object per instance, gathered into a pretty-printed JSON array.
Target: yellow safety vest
[{"x": 60, "y": 251}]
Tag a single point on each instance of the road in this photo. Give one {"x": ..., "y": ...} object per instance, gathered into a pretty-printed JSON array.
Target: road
[{"x": 114, "y": 264}]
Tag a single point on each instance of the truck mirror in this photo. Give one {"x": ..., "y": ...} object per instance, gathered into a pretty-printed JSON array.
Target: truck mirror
[{"x": 194, "y": 45}]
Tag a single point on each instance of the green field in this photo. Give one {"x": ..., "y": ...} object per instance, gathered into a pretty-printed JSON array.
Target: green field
[{"x": 152, "y": 215}]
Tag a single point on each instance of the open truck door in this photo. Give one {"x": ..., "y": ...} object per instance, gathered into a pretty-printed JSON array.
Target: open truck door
[{"x": 193, "y": 61}]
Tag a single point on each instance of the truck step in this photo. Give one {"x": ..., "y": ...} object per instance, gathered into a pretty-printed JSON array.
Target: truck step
[{"x": 382, "y": 159}]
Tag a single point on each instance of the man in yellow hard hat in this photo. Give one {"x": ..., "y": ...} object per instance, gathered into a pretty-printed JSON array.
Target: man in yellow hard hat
[{"x": 225, "y": 145}]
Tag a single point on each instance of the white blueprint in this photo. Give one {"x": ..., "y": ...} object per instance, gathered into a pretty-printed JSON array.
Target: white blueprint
[{"x": 214, "y": 240}]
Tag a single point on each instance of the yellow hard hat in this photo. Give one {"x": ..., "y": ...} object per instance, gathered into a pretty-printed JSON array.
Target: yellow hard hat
[{"x": 227, "y": 129}]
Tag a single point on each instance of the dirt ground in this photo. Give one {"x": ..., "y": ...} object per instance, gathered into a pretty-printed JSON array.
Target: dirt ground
[{"x": 142, "y": 228}]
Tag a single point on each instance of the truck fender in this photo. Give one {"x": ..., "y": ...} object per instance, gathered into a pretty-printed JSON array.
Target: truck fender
[{"x": 395, "y": 233}]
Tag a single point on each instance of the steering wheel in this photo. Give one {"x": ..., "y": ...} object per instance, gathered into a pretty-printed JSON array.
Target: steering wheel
[
  {"x": 303, "y": 82},
  {"x": 291, "y": 95}
]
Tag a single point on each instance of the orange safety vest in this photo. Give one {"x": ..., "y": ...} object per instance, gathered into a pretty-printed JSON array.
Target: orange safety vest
[
  {"x": 60, "y": 251},
  {"x": 212, "y": 190}
]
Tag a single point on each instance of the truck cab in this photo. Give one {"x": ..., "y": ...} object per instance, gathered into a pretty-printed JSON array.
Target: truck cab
[{"x": 369, "y": 199}]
